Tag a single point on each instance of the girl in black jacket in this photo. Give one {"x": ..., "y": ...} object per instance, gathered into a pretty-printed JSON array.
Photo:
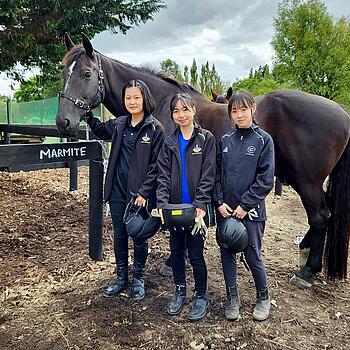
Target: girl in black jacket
[
  {"x": 132, "y": 169},
  {"x": 245, "y": 174},
  {"x": 186, "y": 166}
]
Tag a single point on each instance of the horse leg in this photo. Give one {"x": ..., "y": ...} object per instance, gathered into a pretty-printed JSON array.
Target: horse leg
[
  {"x": 304, "y": 249},
  {"x": 318, "y": 214}
]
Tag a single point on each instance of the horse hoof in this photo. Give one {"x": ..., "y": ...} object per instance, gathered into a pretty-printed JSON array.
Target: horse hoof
[{"x": 299, "y": 282}]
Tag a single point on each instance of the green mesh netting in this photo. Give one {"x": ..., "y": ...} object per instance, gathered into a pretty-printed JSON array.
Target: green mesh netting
[
  {"x": 42, "y": 112},
  {"x": 3, "y": 115}
]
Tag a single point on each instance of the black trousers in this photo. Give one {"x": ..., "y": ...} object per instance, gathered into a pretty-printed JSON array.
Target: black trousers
[
  {"x": 121, "y": 244},
  {"x": 179, "y": 242}
]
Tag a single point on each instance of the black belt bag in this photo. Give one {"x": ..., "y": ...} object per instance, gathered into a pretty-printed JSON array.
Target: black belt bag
[{"x": 179, "y": 217}]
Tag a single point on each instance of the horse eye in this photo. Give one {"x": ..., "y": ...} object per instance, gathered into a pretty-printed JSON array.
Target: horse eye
[{"x": 87, "y": 75}]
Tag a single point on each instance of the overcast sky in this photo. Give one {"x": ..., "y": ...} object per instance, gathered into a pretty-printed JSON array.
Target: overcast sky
[{"x": 235, "y": 35}]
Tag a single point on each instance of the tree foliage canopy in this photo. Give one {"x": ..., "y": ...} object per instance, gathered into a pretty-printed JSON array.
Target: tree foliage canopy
[
  {"x": 258, "y": 82},
  {"x": 171, "y": 69},
  {"x": 31, "y": 31},
  {"x": 207, "y": 80},
  {"x": 194, "y": 74},
  {"x": 312, "y": 50},
  {"x": 3, "y": 99}
]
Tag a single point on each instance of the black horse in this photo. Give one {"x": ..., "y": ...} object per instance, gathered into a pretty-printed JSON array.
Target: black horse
[{"x": 311, "y": 136}]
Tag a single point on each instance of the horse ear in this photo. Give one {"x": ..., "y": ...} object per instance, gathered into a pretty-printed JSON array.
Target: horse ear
[
  {"x": 213, "y": 94},
  {"x": 229, "y": 93},
  {"x": 87, "y": 46},
  {"x": 68, "y": 41}
]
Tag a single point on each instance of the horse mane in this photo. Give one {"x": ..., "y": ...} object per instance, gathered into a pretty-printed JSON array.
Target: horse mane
[
  {"x": 72, "y": 54},
  {"x": 158, "y": 74},
  {"x": 77, "y": 50}
]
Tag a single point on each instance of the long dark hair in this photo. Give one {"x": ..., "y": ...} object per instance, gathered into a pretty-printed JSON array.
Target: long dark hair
[{"x": 148, "y": 100}]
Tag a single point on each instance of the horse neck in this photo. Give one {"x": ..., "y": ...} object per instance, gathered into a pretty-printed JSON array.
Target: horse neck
[
  {"x": 117, "y": 75},
  {"x": 114, "y": 82}
]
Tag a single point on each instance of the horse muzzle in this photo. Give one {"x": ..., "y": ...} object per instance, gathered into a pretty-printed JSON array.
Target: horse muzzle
[{"x": 66, "y": 126}]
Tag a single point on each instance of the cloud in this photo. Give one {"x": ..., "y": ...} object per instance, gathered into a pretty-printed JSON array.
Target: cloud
[
  {"x": 227, "y": 33},
  {"x": 233, "y": 34}
]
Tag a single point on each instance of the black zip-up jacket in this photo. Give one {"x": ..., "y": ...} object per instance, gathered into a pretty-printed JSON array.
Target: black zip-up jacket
[
  {"x": 245, "y": 166},
  {"x": 200, "y": 168},
  {"x": 143, "y": 169}
]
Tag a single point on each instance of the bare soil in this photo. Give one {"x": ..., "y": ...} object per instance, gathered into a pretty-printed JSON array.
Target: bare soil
[{"x": 51, "y": 292}]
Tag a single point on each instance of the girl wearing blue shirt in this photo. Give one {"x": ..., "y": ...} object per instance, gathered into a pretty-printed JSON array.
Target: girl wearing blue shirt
[{"x": 186, "y": 166}]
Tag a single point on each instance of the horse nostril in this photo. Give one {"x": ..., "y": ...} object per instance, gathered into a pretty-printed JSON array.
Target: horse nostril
[{"x": 67, "y": 122}]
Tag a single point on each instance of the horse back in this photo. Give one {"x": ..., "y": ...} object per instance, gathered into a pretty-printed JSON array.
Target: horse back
[{"x": 310, "y": 133}]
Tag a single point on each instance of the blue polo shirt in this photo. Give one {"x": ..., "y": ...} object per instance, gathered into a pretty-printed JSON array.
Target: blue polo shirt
[{"x": 185, "y": 198}]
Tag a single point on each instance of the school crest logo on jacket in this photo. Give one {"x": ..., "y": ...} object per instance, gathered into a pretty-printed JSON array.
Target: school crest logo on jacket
[
  {"x": 145, "y": 139},
  {"x": 196, "y": 150},
  {"x": 251, "y": 151}
]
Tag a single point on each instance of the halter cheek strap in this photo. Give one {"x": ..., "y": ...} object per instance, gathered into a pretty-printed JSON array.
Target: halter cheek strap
[{"x": 99, "y": 93}]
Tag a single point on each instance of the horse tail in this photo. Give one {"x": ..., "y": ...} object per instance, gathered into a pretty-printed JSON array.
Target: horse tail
[{"x": 338, "y": 231}]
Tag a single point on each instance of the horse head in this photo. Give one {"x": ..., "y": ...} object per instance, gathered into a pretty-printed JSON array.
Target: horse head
[
  {"x": 221, "y": 98},
  {"x": 214, "y": 95},
  {"x": 83, "y": 85}
]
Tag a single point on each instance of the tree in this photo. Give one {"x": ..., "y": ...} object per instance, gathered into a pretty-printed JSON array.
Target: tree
[
  {"x": 171, "y": 69},
  {"x": 204, "y": 79},
  {"x": 257, "y": 86},
  {"x": 312, "y": 51},
  {"x": 194, "y": 74},
  {"x": 216, "y": 83},
  {"x": 3, "y": 99},
  {"x": 31, "y": 31},
  {"x": 37, "y": 87},
  {"x": 263, "y": 72},
  {"x": 209, "y": 80},
  {"x": 29, "y": 90},
  {"x": 186, "y": 75},
  {"x": 259, "y": 82}
]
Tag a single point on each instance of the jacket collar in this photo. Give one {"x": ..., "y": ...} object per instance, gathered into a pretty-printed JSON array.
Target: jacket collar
[
  {"x": 243, "y": 132},
  {"x": 172, "y": 140},
  {"x": 123, "y": 120}
]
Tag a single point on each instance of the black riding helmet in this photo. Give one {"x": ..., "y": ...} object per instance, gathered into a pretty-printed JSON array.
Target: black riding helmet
[
  {"x": 232, "y": 235},
  {"x": 179, "y": 217},
  {"x": 139, "y": 223}
]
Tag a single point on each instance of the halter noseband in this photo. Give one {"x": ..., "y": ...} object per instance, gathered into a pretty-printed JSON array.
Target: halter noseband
[{"x": 100, "y": 91}]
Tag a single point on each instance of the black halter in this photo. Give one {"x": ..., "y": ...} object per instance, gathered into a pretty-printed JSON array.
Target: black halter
[{"x": 100, "y": 91}]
